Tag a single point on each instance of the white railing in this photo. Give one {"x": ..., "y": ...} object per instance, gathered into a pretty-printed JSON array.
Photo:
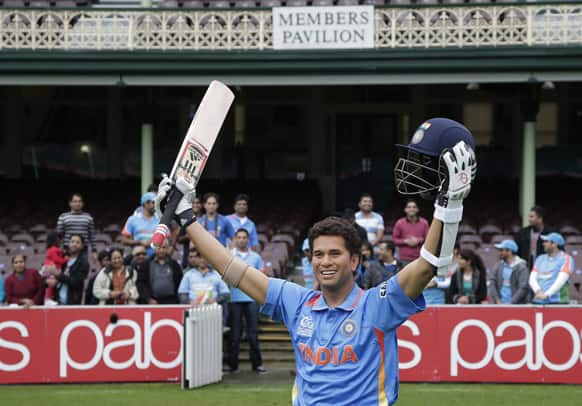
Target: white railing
[
  {"x": 224, "y": 30},
  {"x": 202, "y": 352}
]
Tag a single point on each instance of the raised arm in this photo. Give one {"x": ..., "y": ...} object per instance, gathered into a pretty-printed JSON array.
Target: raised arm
[
  {"x": 253, "y": 282},
  {"x": 436, "y": 253}
]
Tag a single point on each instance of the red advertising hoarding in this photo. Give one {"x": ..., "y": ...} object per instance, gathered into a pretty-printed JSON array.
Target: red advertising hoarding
[{"x": 449, "y": 343}]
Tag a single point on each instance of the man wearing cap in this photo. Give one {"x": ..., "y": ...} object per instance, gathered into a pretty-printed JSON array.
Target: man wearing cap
[
  {"x": 509, "y": 280},
  {"x": 551, "y": 272},
  {"x": 139, "y": 228}
]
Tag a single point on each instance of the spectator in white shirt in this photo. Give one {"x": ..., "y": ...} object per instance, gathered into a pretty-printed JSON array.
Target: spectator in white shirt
[{"x": 371, "y": 221}]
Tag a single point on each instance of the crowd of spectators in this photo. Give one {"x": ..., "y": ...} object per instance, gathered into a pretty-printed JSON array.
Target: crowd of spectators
[{"x": 532, "y": 268}]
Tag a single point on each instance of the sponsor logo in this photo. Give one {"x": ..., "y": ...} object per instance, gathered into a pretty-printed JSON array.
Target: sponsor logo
[
  {"x": 384, "y": 289},
  {"x": 305, "y": 327},
  {"x": 418, "y": 136}
]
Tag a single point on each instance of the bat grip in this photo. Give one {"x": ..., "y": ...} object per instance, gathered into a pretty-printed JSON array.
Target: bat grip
[{"x": 163, "y": 229}]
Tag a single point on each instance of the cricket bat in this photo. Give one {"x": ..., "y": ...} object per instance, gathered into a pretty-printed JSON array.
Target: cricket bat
[{"x": 196, "y": 148}]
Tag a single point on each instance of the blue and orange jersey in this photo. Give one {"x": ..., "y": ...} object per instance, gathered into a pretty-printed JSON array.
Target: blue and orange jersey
[
  {"x": 547, "y": 269},
  {"x": 346, "y": 355}
]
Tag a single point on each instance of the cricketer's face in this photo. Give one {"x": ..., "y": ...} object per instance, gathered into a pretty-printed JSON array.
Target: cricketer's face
[{"x": 332, "y": 263}]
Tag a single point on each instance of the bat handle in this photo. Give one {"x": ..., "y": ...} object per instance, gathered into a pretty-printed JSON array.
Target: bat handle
[{"x": 163, "y": 229}]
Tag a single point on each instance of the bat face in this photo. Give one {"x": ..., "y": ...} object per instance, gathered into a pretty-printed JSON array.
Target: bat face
[
  {"x": 203, "y": 132},
  {"x": 191, "y": 161},
  {"x": 195, "y": 149}
]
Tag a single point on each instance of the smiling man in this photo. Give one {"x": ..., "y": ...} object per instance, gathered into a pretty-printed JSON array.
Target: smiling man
[{"x": 345, "y": 338}]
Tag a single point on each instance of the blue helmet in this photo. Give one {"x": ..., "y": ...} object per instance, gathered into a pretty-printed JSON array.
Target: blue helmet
[{"x": 418, "y": 169}]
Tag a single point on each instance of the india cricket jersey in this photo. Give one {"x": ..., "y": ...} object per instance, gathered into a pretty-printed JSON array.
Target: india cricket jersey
[
  {"x": 547, "y": 269},
  {"x": 345, "y": 355}
]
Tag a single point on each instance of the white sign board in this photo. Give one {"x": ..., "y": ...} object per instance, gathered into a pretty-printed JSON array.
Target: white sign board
[{"x": 350, "y": 27}]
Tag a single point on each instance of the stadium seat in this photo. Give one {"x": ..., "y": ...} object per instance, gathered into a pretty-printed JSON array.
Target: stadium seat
[
  {"x": 427, "y": 2},
  {"x": 102, "y": 237},
  {"x": 65, "y": 4},
  {"x": 574, "y": 239},
  {"x": 322, "y": 3},
  {"x": 14, "y": 229},
  {"x": 168, "y": 4},
  {"x": 575, "y": 286},
  {"x": 41, "y": 238},
  {"x": 192, "y": 4},
  {"x": 38, "y": 229},
  {"x": 245, "y": 4},
  {"x": 489, "y": 255},
  {"x": 296, "y": 3},
  {"x": 568, "y": 230},
  {"x": 347, "y": 2},
  {"x": 270, "y": 3},
  {"x": 466, "y": 229},
  {"x": 219, "y": 4},
  {"x": 375, "y": 2},
  {"x": 23, "y": 238},
  {"x": 286, "y": 238},
  {"x": 3, "y": 240},
  {"x": 470, "y": 239},
  {"x": 13, "y": 3},
  {"x": 496, "y": 239}
]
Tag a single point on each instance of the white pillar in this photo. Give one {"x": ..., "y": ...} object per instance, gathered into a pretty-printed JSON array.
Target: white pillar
[
  {"x": 528, "y": 170},
  {"x": 147, "y": 156}
]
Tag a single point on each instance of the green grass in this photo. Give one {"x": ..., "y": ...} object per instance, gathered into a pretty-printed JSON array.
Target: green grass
[{"x": 279, "y": 394}]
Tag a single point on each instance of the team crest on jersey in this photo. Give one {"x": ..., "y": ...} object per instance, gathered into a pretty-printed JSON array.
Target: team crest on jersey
[
  {"x": 305, "y": 327},
  {"x": 384, "y": 289},
  {"x": 349, "y": 328}
]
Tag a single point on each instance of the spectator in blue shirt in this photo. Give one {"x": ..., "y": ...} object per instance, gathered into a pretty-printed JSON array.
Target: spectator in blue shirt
[
  {"x": 549, "y": 276},
  {"x": 239, "y": 219},
  {"x": 508, "y": 283},
  {"x": 1, "y": 289},
  {"x": 139, "y": 228},
  {"x": 216, "y": 224},
  {"x": 200, "y": 284},
  {"x": 241, "y": 306}
]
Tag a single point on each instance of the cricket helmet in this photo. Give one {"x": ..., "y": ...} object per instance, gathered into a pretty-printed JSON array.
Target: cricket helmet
[{"x": 419, "y": 169}]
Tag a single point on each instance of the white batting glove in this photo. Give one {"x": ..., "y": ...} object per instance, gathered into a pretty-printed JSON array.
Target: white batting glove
[
  {"x": 189, "y": 193},
  {"x": 163, "y": 189}
]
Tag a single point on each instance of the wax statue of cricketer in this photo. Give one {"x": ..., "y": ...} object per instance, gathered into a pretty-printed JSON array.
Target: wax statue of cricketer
[{"x": 344, "y": 337}]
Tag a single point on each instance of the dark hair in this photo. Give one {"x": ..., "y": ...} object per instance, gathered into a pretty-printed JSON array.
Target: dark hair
[
  {"x": 365, "y": 195},
  {"x": 539, "y": 210},
  {"x": 476, "y": 261},
  {"x": 208, "y": 195},
  {"x": 336, "y": 226},
  {"x": 242, "y": 230},
  {"x": 116, "y": 249},
  {"x": 389, "y": 245},
  {"x": 52, "y": 239},
  {"x": 411, "y": 201},
  {"x": 348, "y": 214},
  {"x": 75, "y": 194},
  {"x": 80, "y": 238},
  {"x": 103, "y": 254},
  {"x": 369, "y": 247},
  {"x": 195, "y": 250},
  {"x": 152, "y": 188},
  {"x": 18, "y": 255},
  {"x": 241, "y": 196}
]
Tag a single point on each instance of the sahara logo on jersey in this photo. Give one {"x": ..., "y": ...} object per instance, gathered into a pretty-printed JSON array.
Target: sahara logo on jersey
[
  {"x": 305, "y": 327},
  {"x": 322, "y": 356}
]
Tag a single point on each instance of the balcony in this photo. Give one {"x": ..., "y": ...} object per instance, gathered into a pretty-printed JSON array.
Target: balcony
[{"x": 401, "y": 28}]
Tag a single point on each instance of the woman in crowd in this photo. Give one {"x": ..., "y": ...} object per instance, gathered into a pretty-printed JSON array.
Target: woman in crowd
[
  {"x": 469, "y": 282},
  {"x": 24, "y": 286},
  {"x": 117, "y": 283}
]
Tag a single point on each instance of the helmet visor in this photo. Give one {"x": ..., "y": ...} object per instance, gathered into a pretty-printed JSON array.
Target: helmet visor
[{"x": 417, "y": 174}]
